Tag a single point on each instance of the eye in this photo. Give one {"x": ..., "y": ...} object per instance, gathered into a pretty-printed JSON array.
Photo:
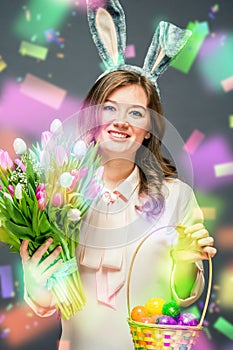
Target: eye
[
  {"x": 136, "y": 114},
  {"x": 109, "y": 108}
]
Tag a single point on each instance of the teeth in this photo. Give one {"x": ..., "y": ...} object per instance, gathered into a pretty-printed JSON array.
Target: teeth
[{"x": 120, "y": 136}]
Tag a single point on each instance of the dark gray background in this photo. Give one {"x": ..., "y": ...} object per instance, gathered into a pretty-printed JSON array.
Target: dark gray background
[{"x": 188, "y": 105}]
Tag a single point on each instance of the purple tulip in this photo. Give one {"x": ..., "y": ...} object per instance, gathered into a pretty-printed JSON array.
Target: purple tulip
[{"x": 5, "y": 160}]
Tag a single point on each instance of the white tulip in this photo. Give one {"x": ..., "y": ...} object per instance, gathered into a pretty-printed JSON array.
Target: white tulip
[
  {"x": 80, "y": 149},
  {"x": 56, "y": 126},
  {"x": 74, "y": 215},
  {"x": 18, "y": 191},
  {"x": 20, "y": 146}
]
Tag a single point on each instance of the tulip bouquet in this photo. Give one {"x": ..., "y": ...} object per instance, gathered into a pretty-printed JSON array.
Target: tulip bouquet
[{"x": 45, "y": 192}]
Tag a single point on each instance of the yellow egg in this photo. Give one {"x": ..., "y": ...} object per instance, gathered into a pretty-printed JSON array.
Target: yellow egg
[{"x": 154, "y": 306}]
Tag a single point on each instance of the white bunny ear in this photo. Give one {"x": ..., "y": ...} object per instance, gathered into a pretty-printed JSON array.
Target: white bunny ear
[
  {"x": 167, "y": 41},
  {"x": 107, "y": 33},
  {"x": 108, "y": 29}
]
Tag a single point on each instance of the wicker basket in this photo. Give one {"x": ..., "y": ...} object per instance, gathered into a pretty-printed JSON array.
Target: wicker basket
[{"x": 163, "y": 337}]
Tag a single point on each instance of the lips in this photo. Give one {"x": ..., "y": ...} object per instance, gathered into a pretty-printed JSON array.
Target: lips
[{"x": 118, "y": 134}]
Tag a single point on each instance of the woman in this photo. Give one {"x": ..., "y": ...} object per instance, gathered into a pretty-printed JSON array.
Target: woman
[{"x": 141, "y": 195}]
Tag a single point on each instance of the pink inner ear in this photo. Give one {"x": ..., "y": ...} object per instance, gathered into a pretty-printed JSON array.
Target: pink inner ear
[
  {"x": 107, "y": 33},
  {"x": 159, "y": 58}
]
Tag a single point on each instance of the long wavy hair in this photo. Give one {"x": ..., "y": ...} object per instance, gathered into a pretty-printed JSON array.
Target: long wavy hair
[{"x": 153, "y": 166}]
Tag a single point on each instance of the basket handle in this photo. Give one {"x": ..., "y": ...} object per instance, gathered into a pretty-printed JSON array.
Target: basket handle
[{"x": 208, "y": 292}]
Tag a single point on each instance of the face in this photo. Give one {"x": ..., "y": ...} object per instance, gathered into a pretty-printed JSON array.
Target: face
[{"x": 125, "y": 122}]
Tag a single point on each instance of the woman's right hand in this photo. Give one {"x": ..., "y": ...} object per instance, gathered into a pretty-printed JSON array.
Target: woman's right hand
[{"x": 36, "y": 271}]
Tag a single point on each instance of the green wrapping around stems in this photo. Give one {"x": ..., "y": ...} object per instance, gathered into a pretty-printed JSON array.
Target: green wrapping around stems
[{"x": 67, "y": 268}]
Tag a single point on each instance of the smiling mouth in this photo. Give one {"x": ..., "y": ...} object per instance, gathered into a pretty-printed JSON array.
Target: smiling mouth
[{"x": 118, "y": 135}]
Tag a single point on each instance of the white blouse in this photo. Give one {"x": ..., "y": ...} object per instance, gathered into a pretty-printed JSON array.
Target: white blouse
[{"x": 109, "y": 236}]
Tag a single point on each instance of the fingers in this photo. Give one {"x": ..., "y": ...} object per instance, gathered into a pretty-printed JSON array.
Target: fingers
[
  {"x": 211, "y": 251},
  {"x": 36, "y": 257},
  {"x": 48, "y": 273},
  {"x": 44, "y": 265},
  {"x": 194, "y": 228},
  {"x": 200, "y": 234},
  {"x": 24, "y": 251},
  {"x": 207, "y": 241}
]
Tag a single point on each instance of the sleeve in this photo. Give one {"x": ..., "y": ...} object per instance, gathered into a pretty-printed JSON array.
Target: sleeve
[
  {"x": 38, "y": 309},
  {"x": 190, "y": 214}
]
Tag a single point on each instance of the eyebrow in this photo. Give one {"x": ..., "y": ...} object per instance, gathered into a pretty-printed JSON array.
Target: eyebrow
[{"x": 137, "y": 106}]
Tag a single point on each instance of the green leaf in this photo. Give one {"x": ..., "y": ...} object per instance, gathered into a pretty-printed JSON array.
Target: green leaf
[
  {"x": 35, "y": 219},
  {"x": 22, "y": 232},
  {"x": 9, "y": 238},
  {"x": 44, "y": 224},
  {"x": 30, "y": 174}
]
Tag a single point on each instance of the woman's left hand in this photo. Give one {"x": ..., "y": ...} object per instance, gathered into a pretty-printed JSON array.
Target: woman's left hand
[{"x": 194, "y": 243}]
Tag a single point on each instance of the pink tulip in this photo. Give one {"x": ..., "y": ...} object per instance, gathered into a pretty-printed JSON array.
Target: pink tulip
[
  {"x": 11, "y": 190},
  {"x": 5, "y": 160},
  {"x": 45, "y": 138},
  {"x": 61, "y": 155},
  {"x": 40, "y": 187},
  {"x": 41, "y": 204},
  {"x": 20, "y": 164},
  {"x": 41, "y": 196},
  {"x": 0, "y": 187},
  {"x": 93, "y": 189},
  {"x": 99, "y": 173},
  {"x": 77, "y": 174},
  {"x": 57, "y": 199}
]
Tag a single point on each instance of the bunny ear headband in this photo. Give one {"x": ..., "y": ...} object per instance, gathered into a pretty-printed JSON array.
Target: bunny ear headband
[{"x": 108, "y": 29}]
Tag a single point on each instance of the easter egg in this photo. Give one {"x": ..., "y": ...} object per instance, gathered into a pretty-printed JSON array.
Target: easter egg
[
  {"x": 138, "y": 313},
  {"x": 154, "y": 306},
  {"x": 171, "y": 308},
  {"x": 166, "y": 320},
  {"x": 187, "y": 319}
]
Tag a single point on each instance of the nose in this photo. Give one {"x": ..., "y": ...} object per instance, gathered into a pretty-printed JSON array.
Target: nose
[{"x": 121, "y": 124}]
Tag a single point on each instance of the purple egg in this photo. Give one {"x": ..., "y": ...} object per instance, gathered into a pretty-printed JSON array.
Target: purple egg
[
  {"x": 166, "y": 320},
  {"x": 187, "y": 319}
]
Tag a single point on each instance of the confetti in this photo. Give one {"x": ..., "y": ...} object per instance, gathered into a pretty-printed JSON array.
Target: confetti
[
  {"x": 209, "y": 213},
  {"x": 7, "y": 286},
  {"x": 223, "y": 169},
  {"x": 227, "y": 84},
  {"x": 42, "y": 91},
  {"x": 231, "y": 121},
  {"x": 214, "y": 150},
  {"x": 130, "y": 51},
  {"x": 224, "y": 327},
  {"x": 224, "y": 237},
  {"x": 186, "y": 57},
  {"x": 32, "y": 50},
  {"x": 194, "y": 141},
  {"x": 40, "y": 14},
  {"x": 3, "y": 65}
]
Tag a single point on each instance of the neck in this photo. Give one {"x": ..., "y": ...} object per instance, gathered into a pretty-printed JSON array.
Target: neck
[{"x": 115, "y": 171}]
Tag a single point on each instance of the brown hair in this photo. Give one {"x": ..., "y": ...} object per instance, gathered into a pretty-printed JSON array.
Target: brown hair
[{"x": 153, "y": 166}]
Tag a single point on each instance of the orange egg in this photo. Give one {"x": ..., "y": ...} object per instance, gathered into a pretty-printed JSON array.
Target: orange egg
[
  {"x": 154, "y": 306},
  {"x": 138, "y": 313}
]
